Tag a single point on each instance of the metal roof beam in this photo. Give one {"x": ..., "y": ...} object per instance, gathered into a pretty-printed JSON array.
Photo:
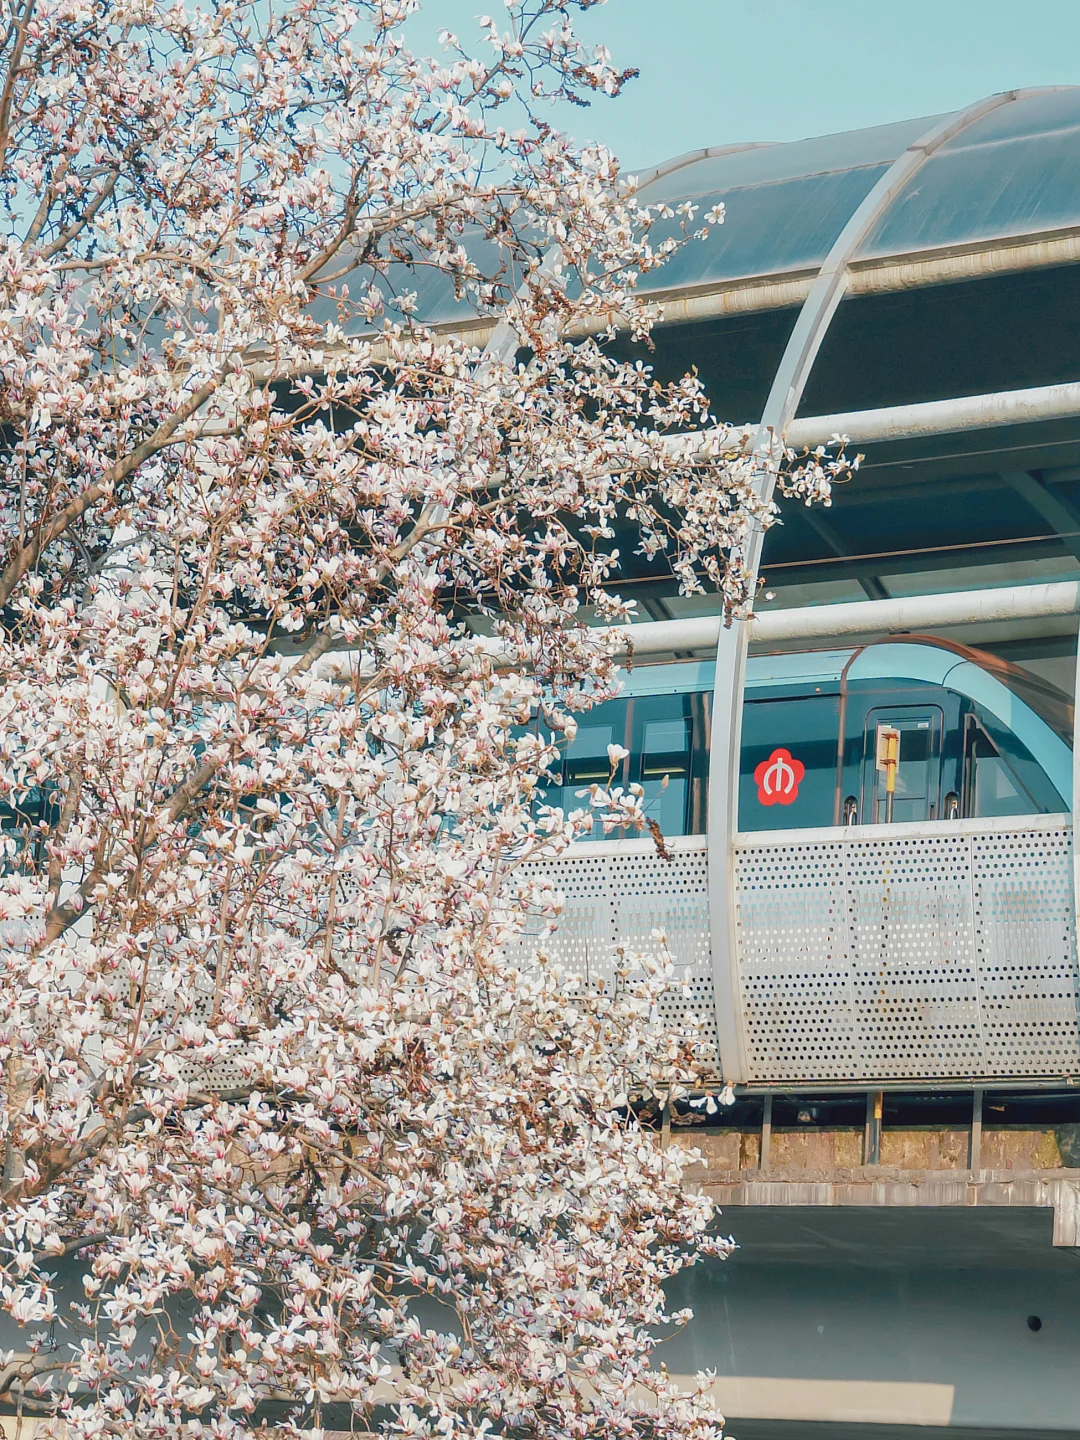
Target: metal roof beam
[
  {"x": 900, "y": 614},
  {"x": 898, "y": 422},
  {"x": 1058, "y": 512},
  {"x": 940, "y": 417},
  {"x": 873, "y": 587},
  {"x": 897, "y": 615},
  {"x": 753, "y": 295}
]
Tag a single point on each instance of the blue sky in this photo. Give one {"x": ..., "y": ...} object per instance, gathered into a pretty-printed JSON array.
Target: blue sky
[{"x": 721, "y": 71}]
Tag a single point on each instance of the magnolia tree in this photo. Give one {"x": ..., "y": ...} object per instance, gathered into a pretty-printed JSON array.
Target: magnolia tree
[{"x": 297, "y": 1130}]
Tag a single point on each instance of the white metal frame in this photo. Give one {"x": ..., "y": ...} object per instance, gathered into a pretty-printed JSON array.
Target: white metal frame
[{"x": 787, "y": 388}]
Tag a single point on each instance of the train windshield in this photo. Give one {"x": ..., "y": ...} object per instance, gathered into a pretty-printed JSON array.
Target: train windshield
[{"x": 1048, "y": 702}]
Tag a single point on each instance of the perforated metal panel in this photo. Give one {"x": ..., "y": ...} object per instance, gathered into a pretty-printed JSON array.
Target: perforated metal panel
[
  {"x": 223, "y": 1073},
  {"x": 925, "y": 952},
  {"x": 919, "y": 954},
  {"x": 617, "y": 894},
  {"x": 1025, "y": 931}
]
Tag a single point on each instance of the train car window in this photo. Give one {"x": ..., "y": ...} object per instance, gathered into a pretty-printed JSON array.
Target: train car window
[
  {"x": 667, "y": 737},
  {"x": 669, "y": 758},
  {"x": 25, "y": 822},
  {"x": 917, "y": 788},
  {"x": 586, "y": 761},
  {"x": 788, "y": 767},
  {"x": 585, "y": 758},
  {"x": 1047, "y": 701},
  {"x": 665, "y": 772}
]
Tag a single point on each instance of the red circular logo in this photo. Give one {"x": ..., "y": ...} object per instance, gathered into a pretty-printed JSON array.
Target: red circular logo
[{"x": 778, "y": 777}]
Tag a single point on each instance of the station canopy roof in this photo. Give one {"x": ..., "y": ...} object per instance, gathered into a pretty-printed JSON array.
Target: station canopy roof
[
  {"x": 936, "y": 513},
  {"x": 932, "y": 514},
  {"x": 1012, "y": 174}
]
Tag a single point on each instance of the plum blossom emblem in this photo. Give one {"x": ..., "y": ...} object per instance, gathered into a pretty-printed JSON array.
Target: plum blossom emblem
[{"x": 778, "y": 778}]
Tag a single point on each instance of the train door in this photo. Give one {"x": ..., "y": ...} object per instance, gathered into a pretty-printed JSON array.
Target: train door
[{"x": 916, "y": 793}]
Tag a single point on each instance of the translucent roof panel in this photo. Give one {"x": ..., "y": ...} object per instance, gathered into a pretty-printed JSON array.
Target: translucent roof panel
[
  {"x": 785, "y": 204},
  {"x": 769, "y": 229},
  {"x": 793, "y": 160},
  {"x": 1014, "y": 172}
]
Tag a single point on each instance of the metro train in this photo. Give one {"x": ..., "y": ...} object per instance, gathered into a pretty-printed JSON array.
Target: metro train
[{"x": 977, "y": 737}]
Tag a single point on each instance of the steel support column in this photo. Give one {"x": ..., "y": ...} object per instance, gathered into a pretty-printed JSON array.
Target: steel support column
[{"x": 787, "y": 388}]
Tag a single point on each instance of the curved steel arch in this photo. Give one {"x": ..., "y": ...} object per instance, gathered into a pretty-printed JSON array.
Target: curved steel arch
[
  {"x": 788, "y": 384},
  {"x": 691, "y": 157}
]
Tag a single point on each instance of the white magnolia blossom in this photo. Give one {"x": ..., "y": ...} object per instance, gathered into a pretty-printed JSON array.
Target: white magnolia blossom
[{"x": 297, "y": 1129}]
